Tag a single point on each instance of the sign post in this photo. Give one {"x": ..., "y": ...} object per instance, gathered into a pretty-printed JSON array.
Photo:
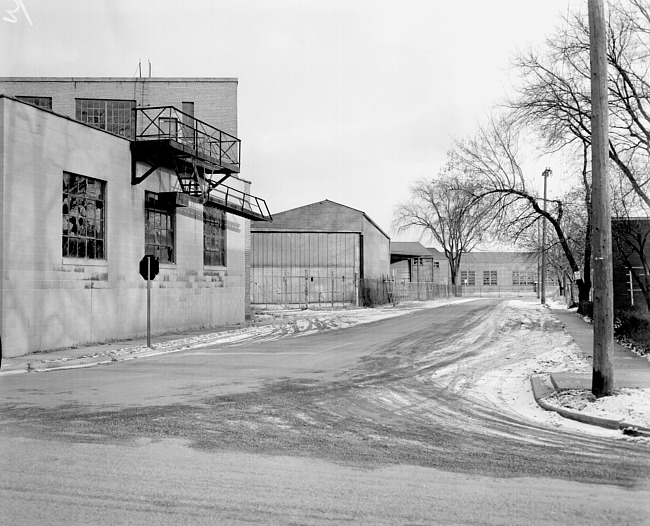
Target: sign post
[{"x": 149, "y": 268}]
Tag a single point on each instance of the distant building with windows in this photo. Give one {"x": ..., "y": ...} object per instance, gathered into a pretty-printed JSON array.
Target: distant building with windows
[
  {"x": 499, "y": 272},
  {"x": 95, "y": 174}
]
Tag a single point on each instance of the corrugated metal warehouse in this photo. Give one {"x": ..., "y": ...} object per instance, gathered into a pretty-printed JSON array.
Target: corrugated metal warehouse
[{"x": 316, "y": 254}]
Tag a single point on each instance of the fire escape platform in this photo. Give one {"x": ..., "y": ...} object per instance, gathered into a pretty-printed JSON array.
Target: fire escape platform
[
  {"x": 202, "y": 156},
  {"x": 167, "y": 152}
]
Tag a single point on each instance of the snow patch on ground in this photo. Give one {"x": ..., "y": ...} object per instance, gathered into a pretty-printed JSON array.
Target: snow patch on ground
[
  {"x": 510, "y": 384},
  {"x": 524, "y": 340}
]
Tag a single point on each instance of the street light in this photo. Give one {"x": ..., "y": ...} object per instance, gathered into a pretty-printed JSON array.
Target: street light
[{"x": 545, "y": 175}]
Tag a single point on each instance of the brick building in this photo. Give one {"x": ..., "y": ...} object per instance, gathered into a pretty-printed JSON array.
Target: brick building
[
  {"x": 631, "y": 262},
  {"x": 317, "y": 253},
  {"x": 96, "y": 173}
]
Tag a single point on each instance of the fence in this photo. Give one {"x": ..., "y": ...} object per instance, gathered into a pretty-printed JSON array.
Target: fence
[
  {"x": 304, "y": 289},
  {"x": 421, "y": 291},
  {"x": 298, "y": 290},
  {"x": 497, "y": 291}
]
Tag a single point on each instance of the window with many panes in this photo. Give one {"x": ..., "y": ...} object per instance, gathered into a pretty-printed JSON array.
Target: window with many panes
[
  {"x": 84, "y": 217},
  {"x": 490, "y": 277},
  {"x": 41, "y": 102},
  {"x": 159, "y": 229},
  {"x": 115, "y": 116},
  {"x": 468, "y": 277},
  {"x": 523, "y": 277},
  {"x": 214, "y": 236}
]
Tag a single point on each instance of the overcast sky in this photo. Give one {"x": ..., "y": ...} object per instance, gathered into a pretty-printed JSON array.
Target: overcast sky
[{"x": 344, "y": 100}]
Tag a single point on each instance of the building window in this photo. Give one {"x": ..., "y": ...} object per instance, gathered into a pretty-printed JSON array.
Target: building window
[
  {"x": 523, "y": 277},
  {"x": 489, "y": 277},
  {"x": 158, "y": 229},
  {"x": 84, "y": 216},
  {"x": 168, "y": 127},
  {"x": 468, "y": 277},
  {"x": 41, "y": 102},
  {"x": 115, "y": 116},
  {"x": 436, "y": 264},
  {"x": 214, "y": 236}
]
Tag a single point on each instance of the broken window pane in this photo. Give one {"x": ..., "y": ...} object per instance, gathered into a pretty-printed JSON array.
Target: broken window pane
[
  {"x": 159, "y": 229},
  {"x": 214, "y": 236},
  {"x": 81, "y": 225}
]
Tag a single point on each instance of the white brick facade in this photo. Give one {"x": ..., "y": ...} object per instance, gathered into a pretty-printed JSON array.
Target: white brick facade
[{"x": 48, "y": 301}]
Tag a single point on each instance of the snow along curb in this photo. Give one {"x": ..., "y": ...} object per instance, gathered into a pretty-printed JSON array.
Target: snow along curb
[{"x": 542, "y": 389}]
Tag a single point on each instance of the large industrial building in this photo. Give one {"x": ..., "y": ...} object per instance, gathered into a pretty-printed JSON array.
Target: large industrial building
[
  {"x": 95, "y": 174},
  {"x": 317, "y": 254}
]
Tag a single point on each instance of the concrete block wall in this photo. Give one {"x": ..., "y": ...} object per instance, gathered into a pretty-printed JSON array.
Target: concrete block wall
[
  {"x": 47, "y": 301},
  {"x": 215, "y": 99}
]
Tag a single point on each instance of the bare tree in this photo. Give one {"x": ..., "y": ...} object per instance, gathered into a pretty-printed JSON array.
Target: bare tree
[
  {"x": 445, "y": 209},
  {"x": 493, "y": 155},
  {"x": 554, "y": 95}
]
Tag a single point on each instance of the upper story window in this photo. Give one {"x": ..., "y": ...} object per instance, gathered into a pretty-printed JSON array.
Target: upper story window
[
  {"x": 41, "y": 102},
  {"x": 158, "y": 229},
  {"x": 115, "y": 116},
  {"x": 214, "y": 236},
  {"x": 84, "y": 217}
]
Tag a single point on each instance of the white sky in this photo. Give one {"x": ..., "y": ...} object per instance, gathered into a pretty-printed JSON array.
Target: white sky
[{"x": 344, "y": 100}]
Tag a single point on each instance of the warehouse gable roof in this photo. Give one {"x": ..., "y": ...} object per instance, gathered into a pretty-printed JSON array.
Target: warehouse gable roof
[{"x": 322, "y": 216}]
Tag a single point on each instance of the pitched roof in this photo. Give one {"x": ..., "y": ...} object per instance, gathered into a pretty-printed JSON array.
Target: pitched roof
[
  {"x": 497, "y": 257},
  {"x": 409, "y": 248},
  {"x": 294, "y": 220}
]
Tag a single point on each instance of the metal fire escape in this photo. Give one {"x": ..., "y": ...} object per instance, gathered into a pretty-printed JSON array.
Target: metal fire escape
[{"x": 202, "y": 157}]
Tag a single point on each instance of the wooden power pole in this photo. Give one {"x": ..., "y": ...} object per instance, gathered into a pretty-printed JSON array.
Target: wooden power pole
[{"x": 603, "y": 373}]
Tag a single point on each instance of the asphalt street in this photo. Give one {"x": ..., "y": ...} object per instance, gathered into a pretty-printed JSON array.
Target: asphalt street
[{"x": 378, "y": 423}]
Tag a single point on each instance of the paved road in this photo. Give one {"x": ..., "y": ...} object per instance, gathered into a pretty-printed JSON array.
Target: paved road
[{"x": 380, "y": 423}]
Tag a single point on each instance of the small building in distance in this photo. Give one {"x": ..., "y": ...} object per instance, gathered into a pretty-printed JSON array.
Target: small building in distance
[
  {"x": 411, "y": 262},
  {"x": 631, "y": 257},
  {"x": 319, "y": 253},
  {"x": 499, "y": 272}
]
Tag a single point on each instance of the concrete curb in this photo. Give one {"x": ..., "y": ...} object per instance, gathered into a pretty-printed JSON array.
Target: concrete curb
[
  {"x": 43, "y": 366},
  {"x": 105, "y": 358},
  {"x": 543, "y": 388}
]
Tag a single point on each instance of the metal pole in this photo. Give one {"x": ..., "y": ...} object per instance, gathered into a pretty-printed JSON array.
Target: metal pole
[
  {"x": 545, "y": 175},
  {"x": 602, "y": 383},
  {"x": 539, "y": 265},
  {"x": 149, "y": 302},
  {"x": 631, "y": 289}
]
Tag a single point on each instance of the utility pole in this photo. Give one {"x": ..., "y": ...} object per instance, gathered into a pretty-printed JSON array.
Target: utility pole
[
  {"x": 545, "y": 175},
  {"x": 602, "y": 383}
]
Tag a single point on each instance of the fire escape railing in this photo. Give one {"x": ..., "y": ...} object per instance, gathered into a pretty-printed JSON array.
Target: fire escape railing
[
  {"x": 236, "y": 200},
  {"x": 169, "y": 123}
]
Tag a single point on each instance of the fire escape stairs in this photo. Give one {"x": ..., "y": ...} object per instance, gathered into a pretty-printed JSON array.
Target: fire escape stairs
[{"x": 201, "y": 156}]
